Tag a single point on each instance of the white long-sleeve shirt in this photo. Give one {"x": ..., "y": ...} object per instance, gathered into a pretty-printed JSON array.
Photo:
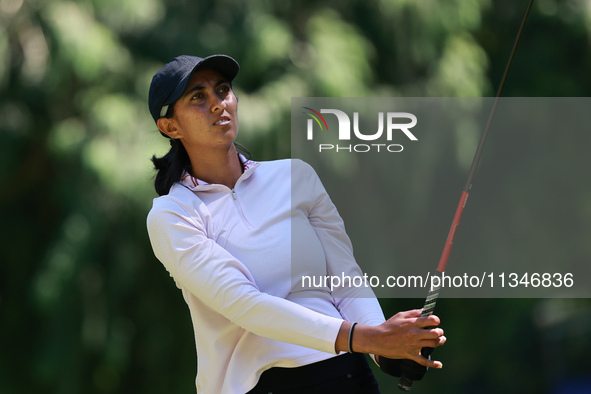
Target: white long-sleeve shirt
[{"x": 239, "y": 256}]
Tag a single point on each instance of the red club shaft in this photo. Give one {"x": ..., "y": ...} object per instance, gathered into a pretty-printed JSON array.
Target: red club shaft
[
  {"x": 478, "y": 154},
  {"x": 452, "y": 232}
]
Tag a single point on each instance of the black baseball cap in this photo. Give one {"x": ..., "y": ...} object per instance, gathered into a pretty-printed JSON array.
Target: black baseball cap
[{"x": 169, "y": 84}]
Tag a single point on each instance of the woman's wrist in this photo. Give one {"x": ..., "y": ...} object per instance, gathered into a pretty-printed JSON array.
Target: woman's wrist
[
  {"x": 341, "y": 344},
  {"x": 363, "y": 338}
]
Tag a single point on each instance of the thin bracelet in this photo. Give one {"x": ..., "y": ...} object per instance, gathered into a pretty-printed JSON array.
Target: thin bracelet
[{"x": 351, "y": 337}]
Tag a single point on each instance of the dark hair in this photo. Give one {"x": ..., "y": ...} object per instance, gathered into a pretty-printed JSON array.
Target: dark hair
[{"x": 170, "y": 167}]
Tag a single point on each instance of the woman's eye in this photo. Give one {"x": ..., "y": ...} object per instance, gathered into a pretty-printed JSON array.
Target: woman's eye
[
  {"x": 198, "y": 96},
  {"x": 224, "y": 89}
]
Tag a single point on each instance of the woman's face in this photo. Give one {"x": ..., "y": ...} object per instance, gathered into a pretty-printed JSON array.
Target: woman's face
[{"x": 205, "y": 117}]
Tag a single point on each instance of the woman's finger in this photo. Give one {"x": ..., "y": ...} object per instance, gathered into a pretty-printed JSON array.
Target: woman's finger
[
  {"x": 433, "y": 342},
  {"x": 432, "y": 333},
  {"x": 426, "y": 362},
  {"x": 428, "y": 321},
  {"x": 411, "y": 313}
]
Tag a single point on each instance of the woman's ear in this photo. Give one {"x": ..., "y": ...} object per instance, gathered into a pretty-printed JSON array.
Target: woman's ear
[{"x": 168, "y": 127}]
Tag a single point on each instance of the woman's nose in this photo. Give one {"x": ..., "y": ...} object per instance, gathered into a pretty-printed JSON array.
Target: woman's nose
[{"x": 219, "y": 103}]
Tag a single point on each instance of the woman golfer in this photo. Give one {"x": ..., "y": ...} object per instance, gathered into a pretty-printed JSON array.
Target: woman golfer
[{"x": 237, "y": 236}]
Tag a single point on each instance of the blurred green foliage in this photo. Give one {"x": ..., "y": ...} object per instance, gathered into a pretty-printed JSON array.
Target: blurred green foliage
[{"x": 84, "y": 305}]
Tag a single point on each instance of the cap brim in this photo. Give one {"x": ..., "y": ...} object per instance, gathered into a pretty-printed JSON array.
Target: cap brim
[{"x": 223, "y": 64}]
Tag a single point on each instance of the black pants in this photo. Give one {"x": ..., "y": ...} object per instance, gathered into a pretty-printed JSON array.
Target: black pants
[{"x": 345, "y": 374}]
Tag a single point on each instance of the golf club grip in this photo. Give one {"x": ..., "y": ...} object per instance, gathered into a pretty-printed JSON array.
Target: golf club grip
[
  {"x": 409, "y": 368},
  {"x": 433, "y": 295}
]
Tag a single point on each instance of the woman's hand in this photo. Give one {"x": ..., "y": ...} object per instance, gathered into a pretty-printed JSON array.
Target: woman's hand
[
  {"x": 406, "y": 333},
  {"x": 401, "y": 336}
]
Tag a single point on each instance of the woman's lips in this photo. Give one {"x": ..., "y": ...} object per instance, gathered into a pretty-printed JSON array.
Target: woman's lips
[{"x": 222, "y": 121}]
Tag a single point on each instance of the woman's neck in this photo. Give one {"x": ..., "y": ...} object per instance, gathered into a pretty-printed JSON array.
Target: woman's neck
[{"x": 219, "y": 167}]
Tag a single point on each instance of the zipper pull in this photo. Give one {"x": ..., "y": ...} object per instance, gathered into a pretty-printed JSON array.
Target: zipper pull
[{"x": 234, "y": 194}]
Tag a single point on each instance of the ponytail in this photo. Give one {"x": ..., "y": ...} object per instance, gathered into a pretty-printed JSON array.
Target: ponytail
[{"x": 170, "y": 167}]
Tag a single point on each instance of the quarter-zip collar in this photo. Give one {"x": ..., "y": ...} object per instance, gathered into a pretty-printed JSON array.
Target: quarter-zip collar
[{"x": 195, "y": 184}]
